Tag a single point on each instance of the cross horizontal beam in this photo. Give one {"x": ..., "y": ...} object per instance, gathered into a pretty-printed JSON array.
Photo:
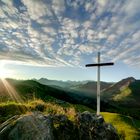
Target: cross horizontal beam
[{"x": 100, "y": 64}]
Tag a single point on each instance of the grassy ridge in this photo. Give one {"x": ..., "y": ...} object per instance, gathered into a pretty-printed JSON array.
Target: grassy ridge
[
  {"x": 128, "y": 128},
  {"x": 30, "y": 89},
  {"x": 54, "y": 102}
]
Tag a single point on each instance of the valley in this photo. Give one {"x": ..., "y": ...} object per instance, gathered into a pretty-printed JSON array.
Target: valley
[{"x": 119, "y": 101}]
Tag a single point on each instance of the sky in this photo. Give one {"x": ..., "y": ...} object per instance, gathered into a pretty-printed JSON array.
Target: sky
[{"x": 54, "y": 39}]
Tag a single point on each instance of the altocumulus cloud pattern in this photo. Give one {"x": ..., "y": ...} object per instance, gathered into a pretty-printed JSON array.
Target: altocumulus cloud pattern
[{"x": 69, "y": 32}]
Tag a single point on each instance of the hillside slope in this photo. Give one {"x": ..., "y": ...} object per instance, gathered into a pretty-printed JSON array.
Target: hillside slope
[
  {"x": 126, "y": 92},
  {"x": 128, "y": 128},
  {"x": 87, "y": 88},
  {"x": 29, "y": 89},
  {"x": 90, "y": 88},
  {"x": 55, "y": 101}
]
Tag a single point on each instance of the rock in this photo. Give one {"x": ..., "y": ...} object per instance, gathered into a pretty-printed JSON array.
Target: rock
[
  {"x": 64, "y": 129},
  {"x": 93, "y": 127},
  {"x": 37, "y": 126},
  {"x": 29, "y": 127}
]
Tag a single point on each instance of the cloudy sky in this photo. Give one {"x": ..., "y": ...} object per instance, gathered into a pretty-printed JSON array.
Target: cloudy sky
[{"x": 56, "y": 38}]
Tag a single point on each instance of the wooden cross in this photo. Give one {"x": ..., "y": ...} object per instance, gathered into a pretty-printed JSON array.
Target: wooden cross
[{"x": 98, "y": 78}]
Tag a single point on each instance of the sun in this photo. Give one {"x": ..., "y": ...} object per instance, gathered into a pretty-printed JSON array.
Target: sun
[{"x": 4, "y": 73}]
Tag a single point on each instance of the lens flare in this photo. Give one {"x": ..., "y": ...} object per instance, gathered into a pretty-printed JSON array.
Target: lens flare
[
  {"x": 3, "y": 71},
  {"x": 11, "y": 91},
  {"x": 9, "y": 88}
]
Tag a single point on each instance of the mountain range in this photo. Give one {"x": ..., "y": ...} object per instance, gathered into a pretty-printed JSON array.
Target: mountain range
[
  {"x": 87, "y": 88},
  {"x": 62, "y": 84},
  {"x": 123, "y": 96},
  {"x": 119, "y": 102}
]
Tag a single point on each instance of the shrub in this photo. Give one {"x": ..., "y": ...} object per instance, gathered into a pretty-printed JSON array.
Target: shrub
[{"x": 40, "y": 107}]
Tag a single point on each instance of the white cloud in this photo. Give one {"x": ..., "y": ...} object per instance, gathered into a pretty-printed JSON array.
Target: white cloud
[
  {"x": 131, "y": 7},
  {"x": 87, "y": 24},
  {"x": 102, "y": 3},
  {"x": 101, "y": 6},
  {"x": 36, "y": 8},
  {"x": 111, "y": 37},
  {"x": 124, "y": 53},
  {"x": 101, "y": 35},
  {"x": 136, "y": 36},
  {"x": 2, "y": 15},
  {"x": 8, "y": 2},
  {"x": 58, "y": 6},
  {"x": 46, "y": 33},
  {"x": 86, "y": 49},
  {"x": 90, "y": 6}
]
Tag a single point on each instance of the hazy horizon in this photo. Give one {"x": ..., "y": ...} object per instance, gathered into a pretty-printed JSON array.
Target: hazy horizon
[
  {"x": 66, "y": 80},
  {"x": 56, "y": 39}
]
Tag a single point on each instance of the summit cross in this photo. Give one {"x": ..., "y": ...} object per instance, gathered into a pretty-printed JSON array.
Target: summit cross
[{"x": 98, "y": 64}]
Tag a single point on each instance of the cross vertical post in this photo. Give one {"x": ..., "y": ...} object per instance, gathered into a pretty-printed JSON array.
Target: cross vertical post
[
  {"x": 98, "y": 78},
  {"x": 98, "y": 86}
]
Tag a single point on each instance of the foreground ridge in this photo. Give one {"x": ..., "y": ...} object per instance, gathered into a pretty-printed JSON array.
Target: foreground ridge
[{"x": 36, "y": 126}]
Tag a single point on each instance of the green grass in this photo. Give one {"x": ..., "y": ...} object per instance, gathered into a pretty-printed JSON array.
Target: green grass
[
  {"x": 10, "y": 109},
  {"x": 123, "y": 95},
  {"x": 82, "y": 108},
  {"x": 127, "y": 127}
]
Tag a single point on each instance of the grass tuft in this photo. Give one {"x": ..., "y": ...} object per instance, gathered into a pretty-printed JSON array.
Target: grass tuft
[{"x": 128, "y": 128}]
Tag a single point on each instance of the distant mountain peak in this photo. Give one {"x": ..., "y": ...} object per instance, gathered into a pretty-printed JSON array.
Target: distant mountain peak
[
  {"x": 43, "y": 79},
  {"x": 121, "y": 89},
  {"x": 128, "y": 80},
  {"x": 125, "y": 82}
]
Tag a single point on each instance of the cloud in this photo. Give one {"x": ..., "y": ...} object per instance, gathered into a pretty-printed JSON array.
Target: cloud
[
  {"x": 58, "y": 6},
  {"x": 36, "y": 8},
  {"x": 86, "y": 49},
  {"x": 65, "y": 32},
  {"x": 90, "y": 6},
  {"x": 131, "y": 7}
]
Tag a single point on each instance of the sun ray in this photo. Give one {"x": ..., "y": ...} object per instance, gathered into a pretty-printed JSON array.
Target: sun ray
[
  {"x": 13, "y": 94},
  {"x": 11, "y": 91},
  {"x": 4, "y": 72}
]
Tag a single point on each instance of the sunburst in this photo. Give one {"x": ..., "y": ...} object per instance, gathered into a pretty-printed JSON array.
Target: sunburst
[
  {"x": 3, "y": 71},
  {"x": 11, "y": 91}
]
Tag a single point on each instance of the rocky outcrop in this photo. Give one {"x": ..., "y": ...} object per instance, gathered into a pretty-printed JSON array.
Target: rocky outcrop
[
  {"x": 37, "y": 126},
  {"x": 93, "y": 127}
]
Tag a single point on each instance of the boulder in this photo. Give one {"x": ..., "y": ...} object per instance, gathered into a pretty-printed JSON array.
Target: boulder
[
  {"x": 36, "y": 126},
  {"x": 93, "y": 127},
  {"x": 28, "y": 127}
]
